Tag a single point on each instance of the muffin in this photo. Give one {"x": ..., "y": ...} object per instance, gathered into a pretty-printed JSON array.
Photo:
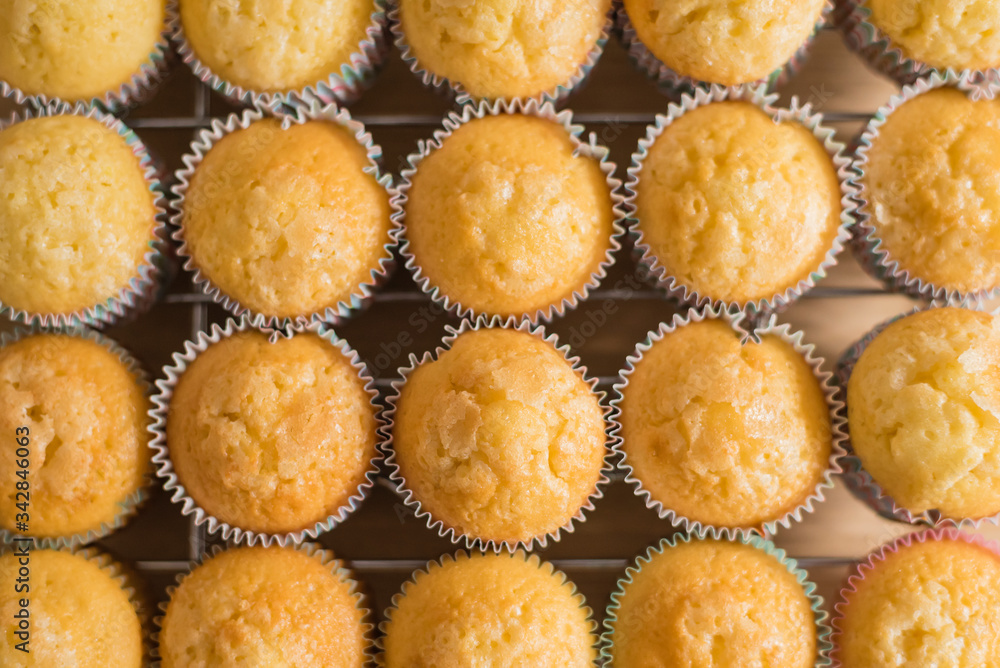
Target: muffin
[
  {"x": 80, "y": 613},
  {"x": 507, "y": 218},
  {"x": 715, "y": 604},
  {"x": 271, "y": 436},
  {"x": 287, "y": 219},
  {"x": 81, "y": 51},
  {"x": 931, "y": 195},
  {"x": 930, "y": 599},
  {"x": 499, "y": 439},
  {"x": 734, "y": 207},
  {"x": 266, "y": 606},
  {"x": 923, "y": 406},
  {"x": 724, "y": 42},
  {"x": 721, "y": 432},
  {"x": 505, "y": 50},
  {"x": 489, "y": 610},
  {"x": 255, "y": 50},
  {"x": 77, "y": 218},
  {"x": 84, "y": 405}
]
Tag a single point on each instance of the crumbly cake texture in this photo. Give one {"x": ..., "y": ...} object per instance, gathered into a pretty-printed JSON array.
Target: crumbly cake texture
[
  {"x": 284, "y": 220},
  {"x": 86, "y": 414},
  {"x": 76, "y": 214},
  {"x": 933, "y": 189},
  {"x": 499, "y": 438},
  {"x": 723, "y": 42},
  {"x": 505, "y": 219},
  {"x": 273, "y": 46},
  {"x": 264, "y": 606},
  {"x": 725, "y": 434},
  {"x": 961, "y": 34},
  {"x": 489, "y": 610},
  {"x": 735, "y": 206},
  {"x": 77, "y": 50},
  {"x": 924, "y": 412},
  {"x": 931, "y": 603},
  {"x": 80, "y": 616},
  {"x": 711, "y": 603},
  {"x": 271, "y": 437},
  {"x": 503, "y": 49}
]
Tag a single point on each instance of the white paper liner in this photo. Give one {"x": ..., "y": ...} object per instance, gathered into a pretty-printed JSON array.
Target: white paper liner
[
  {"x": 588, "y": 148},
  {"x": 410, "y": 501},
  {"x": 161, "y": 449},
  {"x": 362, "y": 294},
  {"x": 141, "y": 290},
  {"x": 130, "y": 505},
  {"x": 796, "y": 112}
]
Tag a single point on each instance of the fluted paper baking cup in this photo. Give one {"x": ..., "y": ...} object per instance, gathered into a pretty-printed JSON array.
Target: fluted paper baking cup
[
  {"x": 161, "y": 448},
  {"x": 671, "y": 82},
  {"x": 795, "y": 113},
  {"x": 326, "y": 557},
  {"x": 453, "y": 534},
  {"x": 454, "y": 89},
  {"x": 858, "y": 480},
  {"x": 877, "y": 260},
  {"x": 130, "y": 505},
  {"x": 823, "y": 643},
  {"x": 749, "y": 332},
  {"x": 140, "y": 292},
  {"x": 363, "y": 294},
  {"x": 343, "y": 87},
  {"x": 585, "y": 147},
  {"x": 462, "y": 555}
]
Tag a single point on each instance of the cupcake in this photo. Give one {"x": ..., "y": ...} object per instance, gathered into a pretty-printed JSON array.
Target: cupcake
[
  {"x": 737, "y": 203},
  {"x": 488, "y": 610},
  {"x": 78, "y": 218},
  {"x": 110, "y": 53},
  {"x": 930, "y": 214},
  {"x": 496, "y": 50},
  {"x": 726, "y": 429},
  {"x": 508, "y": 212},
  {"x": 499, "y": 438},
  {"x": 927, "y": 599},
  {"x": 266, "y": 52},
  {"x": 286, "y": 218},
  {"x": 266, "y": 606},
  {"x": 923, "y": 409},
  {"x": 80, "y": 611},
  {"x": 907, "y": 40},
  {"x": 694, "y": 602},
  {"x": 79, "y": 402},
  {"x": 728, "y": 43},
  {"x": 266, "y": 437}
]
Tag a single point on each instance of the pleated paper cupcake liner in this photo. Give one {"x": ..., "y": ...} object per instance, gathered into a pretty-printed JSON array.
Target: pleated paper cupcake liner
[
  {"x": 586, "y": 147},
  {"x": 879, "y": 555},
  {"x": 336, "y": 566},
  {"x": 823, "y": 631},
  {"x": 363, "y": 294},
  {"x": 749, "y": 332},
  {"x": 141, "y": 291},
  {"x": 161, "y": 448},
  {"x": 867, "y": 245},
  {"x": 343, "y": 87},
  {"x": 796, "y": 113},
  {"x": 131, "y": 504},
  {"x": 454, "y": 534},
  {"x": 857, "y": 479},
  {"x": 454, "y": 89},
  {"x": 140, "y": 87},
  {"x": 462, "y": 555},
  {"x": 673, "y": 83}
]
